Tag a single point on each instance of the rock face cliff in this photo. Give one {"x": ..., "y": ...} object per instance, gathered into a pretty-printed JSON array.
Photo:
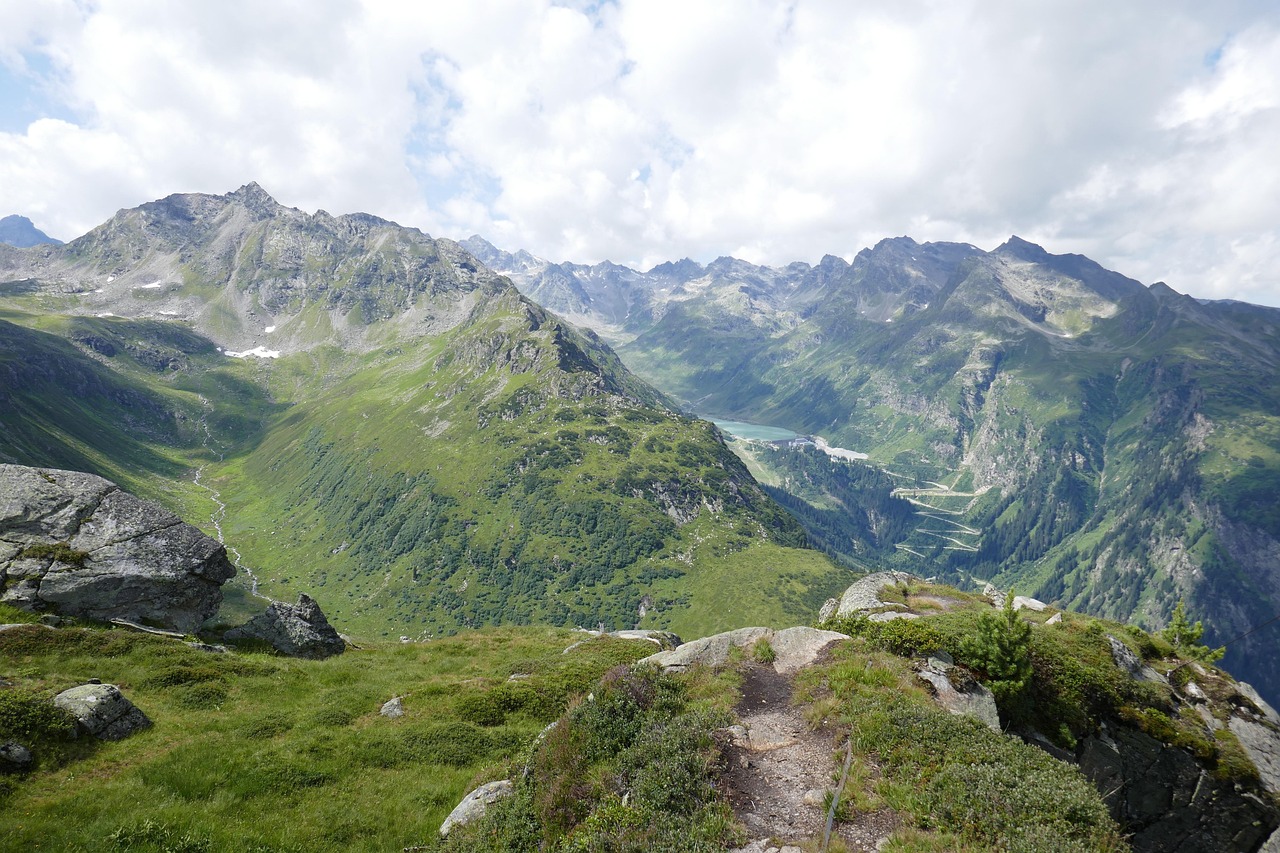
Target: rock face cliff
[{"x": 78, "y": 545}]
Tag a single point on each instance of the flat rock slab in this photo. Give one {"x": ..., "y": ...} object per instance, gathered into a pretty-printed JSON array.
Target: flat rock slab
[
  {"x": 102, "y": 711},
  {"x": 793, "y": 648},
  {"x": 1262, "y": 743},
  {"x": 796, "y": 648}
]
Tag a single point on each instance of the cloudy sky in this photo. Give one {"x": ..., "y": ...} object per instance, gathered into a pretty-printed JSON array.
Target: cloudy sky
[{"x": 1145, "y": 134}]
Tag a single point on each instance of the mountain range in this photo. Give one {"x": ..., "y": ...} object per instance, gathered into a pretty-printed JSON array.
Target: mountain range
[
  {"x": 1058, "y": 427},
  {"x": 370, "y": 415},
  {"x": 382, "y": 419}
]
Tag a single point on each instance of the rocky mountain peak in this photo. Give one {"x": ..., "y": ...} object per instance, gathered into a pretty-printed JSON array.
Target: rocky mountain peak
[
  {"x": 1023, "y": 250},
  {"x": 684, "y": 269},
  {"x": 255, "y": 198},
  {"x": 21, "y": 232}
]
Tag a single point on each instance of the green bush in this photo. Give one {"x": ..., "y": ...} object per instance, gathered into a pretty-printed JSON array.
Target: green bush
[
  {"x": 954, "y": 774},
  {"x": 905, "y": 637},
  {"x": 630, "y": 768}
]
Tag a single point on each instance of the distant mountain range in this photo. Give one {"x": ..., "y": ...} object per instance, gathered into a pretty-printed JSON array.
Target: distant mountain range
[
  {"x": 19, "y": 231},
  {"x": 1060, "y": 428}
]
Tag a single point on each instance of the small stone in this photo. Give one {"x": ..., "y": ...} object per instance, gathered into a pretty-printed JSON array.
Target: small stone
[
  {"x": 1055, "y": 619},
  {"x": 102, "y": 711},
  {"x": 815, "y": 797},
  {"x": 1193, "y": 692},
  {"x": 14, "y": 755},
  {"x": 393, "y": 709}
]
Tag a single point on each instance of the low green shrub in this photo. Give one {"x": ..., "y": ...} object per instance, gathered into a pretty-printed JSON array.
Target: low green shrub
[
  {"x": 955, "y": 775},
  {"x": 906, "y": 637},
  {"x": 630, "y": 768},
  {"x": 28, "y": 717},
  {"x": 205, "y": 695}
]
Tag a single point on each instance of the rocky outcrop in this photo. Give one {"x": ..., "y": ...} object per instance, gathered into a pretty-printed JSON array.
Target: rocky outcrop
[
  {"x": 102, "y": 711},
  {"x": 792, "y": 648},
  {"x": 475, "y": 804},
  {"x": 78, "y": 545},
  {"x": 1168, "y": 800},
  {"x": 1127, "y": 659},
  {"x": 298, "y": 630}
]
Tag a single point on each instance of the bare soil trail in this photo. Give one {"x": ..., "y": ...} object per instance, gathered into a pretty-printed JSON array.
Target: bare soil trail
[{"x": 779, "y": 773}]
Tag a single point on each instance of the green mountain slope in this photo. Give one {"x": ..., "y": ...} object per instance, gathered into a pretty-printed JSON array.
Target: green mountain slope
[{"x": 382, "y": 422}]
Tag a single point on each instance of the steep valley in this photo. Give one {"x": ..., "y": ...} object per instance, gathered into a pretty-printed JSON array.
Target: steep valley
[{"x": 1058, "y": 427}]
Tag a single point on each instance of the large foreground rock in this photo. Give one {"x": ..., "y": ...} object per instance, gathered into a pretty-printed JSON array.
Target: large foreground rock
[
  {"x": 76, "y": 544},
  {"x": 964, "y": 697},
  {"x": 102, "y": 711},
  {"x": 298, "y": 630}
]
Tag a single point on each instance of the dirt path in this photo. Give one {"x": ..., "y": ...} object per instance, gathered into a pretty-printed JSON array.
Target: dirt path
[{"x": 778, "y": 774}]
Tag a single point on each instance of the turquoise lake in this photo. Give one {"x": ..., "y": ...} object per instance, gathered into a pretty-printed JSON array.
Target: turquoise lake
[{"x": 757, "y": 432}]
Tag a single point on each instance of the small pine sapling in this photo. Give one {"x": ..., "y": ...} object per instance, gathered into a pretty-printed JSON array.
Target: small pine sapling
[
  {"x": 1185, "y": 637},
  {"x": 1001, "y": 649}
]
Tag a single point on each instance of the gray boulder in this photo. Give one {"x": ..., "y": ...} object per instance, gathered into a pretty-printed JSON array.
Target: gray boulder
[
  {"x": 75, "y": 544},
  {"x": 796, "y": 648},
  {"x": 393, "y": 708},
  {"x": 1127, "y": 659},
  {"x": 298, "y": 630},
  {"x": 14, "y": 756},
  {"x": 969, "y": 698},
  {"x": 102, "y": 711},
  {"x": 864, "y": 595},
  {"x": 475, "y": 804},
  {"x": 710, "y": 651},
  {"x": 1261, "y": 741}
]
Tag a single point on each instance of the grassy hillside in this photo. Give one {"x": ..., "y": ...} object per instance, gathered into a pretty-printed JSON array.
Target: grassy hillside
[{"x": 255, "y": 752}]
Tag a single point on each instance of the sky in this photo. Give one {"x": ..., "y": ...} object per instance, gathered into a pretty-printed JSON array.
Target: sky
[{"x": 1144, "y": 134}]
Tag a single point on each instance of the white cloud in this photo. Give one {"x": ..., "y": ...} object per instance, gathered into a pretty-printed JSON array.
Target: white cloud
[{"x": 1141, "y": 134}]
